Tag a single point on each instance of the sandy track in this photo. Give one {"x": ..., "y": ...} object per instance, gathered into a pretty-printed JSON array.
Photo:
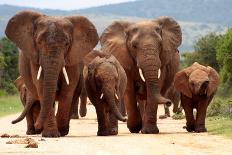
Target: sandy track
[{"x": 82, "y": 139}]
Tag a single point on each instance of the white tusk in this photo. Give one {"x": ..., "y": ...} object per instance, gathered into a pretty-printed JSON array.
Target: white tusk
[
  {"x": 159, "y": 73},
  {"x": 141, "y": 74},
  {"x": 65, "y": 76},
  {"x": 101, "y": 96},
  {"x": 39, "y": 72},
  {"x": 116, "y": 96}
]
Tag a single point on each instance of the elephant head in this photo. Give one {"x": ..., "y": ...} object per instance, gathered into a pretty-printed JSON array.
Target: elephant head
[
  {"x": 148, "y": 45},
  {"x": 197, "y": 80},
  {"x": 51, "y": 44}
]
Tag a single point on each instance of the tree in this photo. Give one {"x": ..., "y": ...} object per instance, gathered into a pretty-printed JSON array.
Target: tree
[
  {"x": 9, "y": 63},
  {"x": 224, "y": 55},
  {"x": 204, "y": 51}
]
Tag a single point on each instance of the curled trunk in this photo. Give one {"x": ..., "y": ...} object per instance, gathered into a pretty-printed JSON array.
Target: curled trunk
[{"x": 110, "y": 98}]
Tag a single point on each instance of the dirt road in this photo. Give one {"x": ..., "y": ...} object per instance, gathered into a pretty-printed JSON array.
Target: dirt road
[{"x": 82, "y": 140}]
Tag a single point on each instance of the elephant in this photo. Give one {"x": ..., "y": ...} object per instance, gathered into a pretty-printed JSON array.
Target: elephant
[
  {"x": 50, "y": 60},
  {"x": 197, "y": 85},
  {"x": 82, "y": 99},
  {"x": 148, "y": 52},
  {"x": 34, "y": 107},
  {"x": 105, "y": 85},
  {"x": 174, "y": 96}
]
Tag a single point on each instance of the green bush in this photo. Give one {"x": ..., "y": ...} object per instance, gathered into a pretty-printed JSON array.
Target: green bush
[{"x": 220, "y": 107}]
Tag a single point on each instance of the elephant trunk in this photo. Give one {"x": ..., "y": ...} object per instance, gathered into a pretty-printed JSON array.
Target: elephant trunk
[
  {"x": 24, "y": 113},
  {"x": 51, "y": 68},
  {"x": 110, "y": 98},
  {"x": 151, "y": 66}
]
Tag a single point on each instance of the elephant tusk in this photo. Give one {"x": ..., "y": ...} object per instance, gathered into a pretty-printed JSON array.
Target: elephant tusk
[
  {"x": 39, "y": 72},
  {"x": 65, "y": 76},
  {"x": 159, "y": 73},
  {"x": 141, "y": 74},
  {"x": 116, "y": 96},
  {"x": 101, "y": 96}
]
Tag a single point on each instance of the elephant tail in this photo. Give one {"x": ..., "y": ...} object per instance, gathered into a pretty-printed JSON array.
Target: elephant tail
[{"x": 24, "y": 112}]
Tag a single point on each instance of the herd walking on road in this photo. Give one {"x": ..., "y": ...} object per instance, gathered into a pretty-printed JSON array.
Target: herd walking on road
[{"x": 136, "y": 68}]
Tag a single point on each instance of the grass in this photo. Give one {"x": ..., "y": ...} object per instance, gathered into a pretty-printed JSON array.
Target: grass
[
  {"x": 220, "y": 125},
  {"x": 9, "y": 105}
]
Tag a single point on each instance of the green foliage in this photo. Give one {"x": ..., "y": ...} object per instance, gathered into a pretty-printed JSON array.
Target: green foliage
[
  {"x": 220, "y": 126},
  {"x": 204, "y": 51},
  {"x": 10, "y": 105},
  {"x": 178, "y": 116},
  {"x": 220, "y": 107},
  {"x": 224, "y": 57},
  {"x": 8, "y": 65}
]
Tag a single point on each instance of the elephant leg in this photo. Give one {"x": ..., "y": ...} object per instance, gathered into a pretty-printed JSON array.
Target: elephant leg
[
  {"x": 30, "y": 124},
  {"x": 134, "y": 122},
  {"x": 102, "y": 119},
  {"x": 113, "y": 124},
  {"x": 75, "y": 109},
  {"x": 63, "y": 114},
  {"x": 35, "y": 114},
  {"x": 83, "y": 108},
  {"x": 188, "y": 109},
  {"x": 50, "y": 125}
]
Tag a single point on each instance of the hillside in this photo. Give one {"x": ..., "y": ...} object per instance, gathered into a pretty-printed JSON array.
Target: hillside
[
  {"x": 191, "y": 30},
  {"x": 203, "y": 11}
]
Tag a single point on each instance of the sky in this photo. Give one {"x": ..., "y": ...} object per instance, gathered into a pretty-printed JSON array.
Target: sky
[{"x": 61, "y": 4}]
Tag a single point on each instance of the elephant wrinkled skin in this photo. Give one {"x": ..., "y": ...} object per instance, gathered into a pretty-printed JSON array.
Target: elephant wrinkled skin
[
  {"x": 105, "y": 85},
  {"x": 52, "y": 49},
  {"x": 197, "y": 85},
  {"x": 147, "y": 48}
]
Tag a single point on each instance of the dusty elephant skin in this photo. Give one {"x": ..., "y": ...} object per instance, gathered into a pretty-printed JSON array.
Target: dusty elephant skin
[
  {"x": 50, "y": 60},
  {"x": 147, "y": 48},
  {"x": 105, "y": 85},
  {"x": 82, "y": 99},
  {"x": 197, "y": 85},
  {"x": 29, "y": 103}
]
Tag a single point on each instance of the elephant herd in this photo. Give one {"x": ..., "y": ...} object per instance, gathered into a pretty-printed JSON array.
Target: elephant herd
[{"x": 136, "y": 69}]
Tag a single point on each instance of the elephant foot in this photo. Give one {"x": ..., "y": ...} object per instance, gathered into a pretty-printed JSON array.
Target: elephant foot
[
  {"x": 31, "y": 131},
  {"x": 51, "y": 133},
  {"x": 190, "y": 127},
  {"x": 83, "y": 112},
  {"x": 200, "y": 129},
  {"x": 102, "y": 133},
  {"x": 114, "y": 131},
  {"x": 151, "y": 129},
  {"x": 163, "y": 116},
  {"x": 64, "y": 131},
  {"x": 135, "y": 128},
  {"x": 75, "y": 116}
]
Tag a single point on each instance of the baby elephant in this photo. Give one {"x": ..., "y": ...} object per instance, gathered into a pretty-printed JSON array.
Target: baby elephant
[
  {"x": 31, "y": 107},
  {"x": 197, "y": 85},
  {"x": 105, "y": 85}
]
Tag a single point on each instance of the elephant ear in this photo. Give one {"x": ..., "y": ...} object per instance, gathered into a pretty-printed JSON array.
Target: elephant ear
[
  {"x": 20, "y": 29},
  {"x": 85, "y": 38},
  {"x": 181, "y": 83},
  {"x": 213, "y": 81},
  {"x": 19, "y": 83},
  {"x": 113, "y": 40},
  {"x": 171, "y": 34}
]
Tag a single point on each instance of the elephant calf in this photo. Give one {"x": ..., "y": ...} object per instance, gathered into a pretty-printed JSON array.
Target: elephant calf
[
  {"x": 197, "y": 85},
  {"x": 32, "y": 107},
  {"x": 105, "y": 85}
]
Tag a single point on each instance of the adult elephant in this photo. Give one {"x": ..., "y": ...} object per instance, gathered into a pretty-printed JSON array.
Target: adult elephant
[
  {"x": 52, "y": 51},
  {"x": 149, "y": 48}
]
